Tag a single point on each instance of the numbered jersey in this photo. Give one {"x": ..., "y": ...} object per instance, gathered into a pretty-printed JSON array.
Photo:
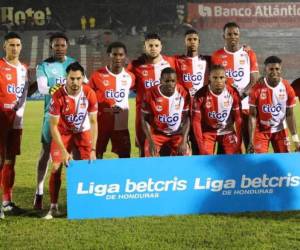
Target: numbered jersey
[
  {"x": 55, "y": 72},
  {"x": 271, "y": 104},
  {"x": 73, "y": 111},
  {"x": 13, "y": 89},
  {"x": 148, "y": 75},
  {"x": 238, "y": 65},
  {"x": 166, "y": 111},
  {"x": 216, "y": 110},
  {"x": 192, "y": 72}
]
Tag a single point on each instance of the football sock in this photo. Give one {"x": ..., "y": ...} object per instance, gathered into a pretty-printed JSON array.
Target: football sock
[
  {"x": 54, "y": 186},
  {"x": 8, "y": 179}
]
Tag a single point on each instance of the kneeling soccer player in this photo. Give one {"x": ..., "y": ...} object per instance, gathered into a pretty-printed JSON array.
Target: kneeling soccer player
[
  {"x": 165, "y": 119},
  {"x": 73, "y": 123},
  {"x": 271, "y": 108},
  {"x": 216, "y": 109}
]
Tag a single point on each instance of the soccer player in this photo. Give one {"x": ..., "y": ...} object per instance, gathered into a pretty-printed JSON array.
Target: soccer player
[
  {"x": 13, "y": 91},
  {"x": 165, "y": 116},
  {"x": 73, "y": 123},
  {"x": 51, "y": 74},
  {"x": 112, "y": 85},
  {"x": 216, "y": 109},
  {"x": 241, "y": 69},
  {"x": 192, "y": 71},
  {"x": 147, "y": 70},
  {"x": 271, "y": 108}
]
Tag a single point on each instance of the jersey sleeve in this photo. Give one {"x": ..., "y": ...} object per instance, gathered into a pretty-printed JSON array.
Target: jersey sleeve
[
  {"x": 132, "y": 87},
  {"x": 40, "y": 71},
  {"x": 146, "y": 104},
  {"x": 253, "y": 62},
  {"x": 187, "y": 102},
  {"x": 236, "y": 101},
  {"x": 54, "y": 109},
  {"x": 253, "y": 96},
  {"x": 91, "y": 82},
  {"x": 93, "y": 103},
  {"x": 296, "y": 86}
]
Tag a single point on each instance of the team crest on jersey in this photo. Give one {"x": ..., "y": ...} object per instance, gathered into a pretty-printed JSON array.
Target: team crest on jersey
[
  {"x": 105, "y": 83},
  {"x": 242, "y": 62},
  {"x": 208, "y": 104},
  {"x": 226, "y": 104},
  {"x": 224, "y": 63},
  {"x": 54, "y": 71},
  {"x": 177, "y": 106},
  {"x": 145, "y": 73},
  {"x": 159, "y": 108},
  {"x": 183, "y": 67},
  {"x": 8, "y": 77},
  {"x": 124, "y": 82},
  {"x": 263, "y": 95},
  {"x": 200, "y": 66},
  {"x": 281, "y": 96}
]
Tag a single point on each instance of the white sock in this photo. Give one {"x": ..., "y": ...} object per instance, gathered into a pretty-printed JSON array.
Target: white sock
[
  {"x": 54, "y": 206},
  {"x": 40, "y": 188},
  {"x": 5, "y": 203}
]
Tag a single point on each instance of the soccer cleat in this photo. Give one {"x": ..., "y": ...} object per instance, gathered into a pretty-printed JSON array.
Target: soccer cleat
[
  {"x": 38, "y": 202},
  {"x": 2, "y": 216},
  {"x": 12, "y": 208},
  {"x": 53, "y": 212}
]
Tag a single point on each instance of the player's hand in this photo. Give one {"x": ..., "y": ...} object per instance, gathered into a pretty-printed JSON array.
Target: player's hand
[
  {"x": 66, "y": 157},
  {"x": 152, "y": 148},
  {"x": 182, "y": 149},
  {"x": 116, "y": 109},
  {"x": 250, "y": 149},
  {"x": 92, "y": 156},
  {"x": 54, "y": 88}
]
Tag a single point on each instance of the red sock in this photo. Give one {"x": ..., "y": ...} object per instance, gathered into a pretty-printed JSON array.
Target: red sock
[
  {"x": 1, "y": 178},
  {"x": 54, "y": 186},
  {"x": 8, "y": 180}
]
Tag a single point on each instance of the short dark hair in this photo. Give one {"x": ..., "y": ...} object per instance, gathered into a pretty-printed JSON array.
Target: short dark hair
[
  {"x": 272, "y": 59},
  {"x": 116, "y": 45},
  {"x": 58, "y": 35},
  {"x": 74, "y": 67},
  {"x": 12, "y": 35},
  {"x": 191, "y": 31},
  {"x": 168, "y": 70},
  {"x": 216, "y": 67},
  {"x": 152, "y": 36},
  {"x": 230, "y": 25}
]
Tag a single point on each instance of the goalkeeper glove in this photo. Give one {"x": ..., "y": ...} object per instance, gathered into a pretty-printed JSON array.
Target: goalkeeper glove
[{"x": 54, "y": 88}]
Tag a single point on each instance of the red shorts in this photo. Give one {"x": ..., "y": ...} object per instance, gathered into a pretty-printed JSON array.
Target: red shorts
[
  {"x": 10, "y": 138},
  {"x": 120, "y": 140},
  {"x": 280, "y": 142},
  {"x": 160, "y": 140},
  {"x": 228, "y": 143},
  {"x": 82, "y": 141}
]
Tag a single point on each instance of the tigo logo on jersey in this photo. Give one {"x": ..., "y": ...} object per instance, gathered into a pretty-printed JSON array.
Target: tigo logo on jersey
[
  {"x": 273, "y": 109},
  {"x": 18, "y": 90},
  {"x": 75, "y": 118},
  {"x": 237, "y": 75},
  {"x": 150, "y": 83},
  {"x": 196, "y": 79},
  {"x": 118, "y": 96},
  {"x": 170, "y": 120},
  {"x": 61, "y": 80},
  {"x": 220, "y": 117}
]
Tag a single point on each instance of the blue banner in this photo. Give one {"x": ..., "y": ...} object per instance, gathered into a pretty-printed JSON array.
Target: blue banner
[{"x": 183, "y": 185}]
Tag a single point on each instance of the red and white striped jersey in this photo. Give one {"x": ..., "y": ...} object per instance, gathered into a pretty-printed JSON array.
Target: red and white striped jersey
[
  {"x": 238, "y": 65},
  {"x": 216, "y": 110},
  {"x": 13, "y": 89},
  {"x": 192, "y": 72},
  {"x": 73, "y": 111},
  {"x": 148, "y": 75},
  {"x": 271, "y": 104},
  {"x": 166, "y": 111}
]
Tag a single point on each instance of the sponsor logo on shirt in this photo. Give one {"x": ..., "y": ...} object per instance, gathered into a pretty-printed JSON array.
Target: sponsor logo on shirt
[
  {"x": 150, "y": 83},
  {"x": 195, "y": 78},
  {"x": 237, "y": 75},
  {"x": 118, "y": 96},
  {"x": 273, "y": 109},
  {"x": 17, "y": 90},
  {"x": 60, "y": 80},
  {"x": 75, "y": 119},
  {"x": 170, "y": 120},
  {"x": 220, "y": 117}
]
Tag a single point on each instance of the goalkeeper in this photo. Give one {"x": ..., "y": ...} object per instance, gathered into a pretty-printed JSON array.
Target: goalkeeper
[{"x": 51, "y": 74}]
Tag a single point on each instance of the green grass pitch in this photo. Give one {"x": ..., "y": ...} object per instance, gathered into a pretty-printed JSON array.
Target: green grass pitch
[{"x": 238, "y": 231}]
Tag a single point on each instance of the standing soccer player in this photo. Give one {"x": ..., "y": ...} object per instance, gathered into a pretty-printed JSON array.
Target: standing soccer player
[
  {"x": 13, "y": 92},
  {"x": 271, "y": 108},
  {"x": 192, "y": 71},
  {"x": 112, "y": 85},
  {"x": 73, "y": 123},
  {"x": 165, "y": 116},
  {"x": 147, "y": 70},
  {"x": 241, "y": 69},
  {"x": 216, "y": 111},
  {"x": 51, "y": 74}
]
